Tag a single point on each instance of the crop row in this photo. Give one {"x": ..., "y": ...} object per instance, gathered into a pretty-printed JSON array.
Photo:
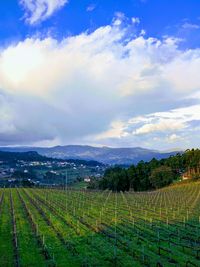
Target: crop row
[{"x": 51, "y": 227}]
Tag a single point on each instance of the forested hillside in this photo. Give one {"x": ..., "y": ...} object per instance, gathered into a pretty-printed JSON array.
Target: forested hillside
[
  {"x": 28, "y": 156},
  {"x": 152, "y": 175}
]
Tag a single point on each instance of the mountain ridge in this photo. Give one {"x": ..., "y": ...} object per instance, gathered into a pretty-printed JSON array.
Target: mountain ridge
[{"x": 106, "y": 155}]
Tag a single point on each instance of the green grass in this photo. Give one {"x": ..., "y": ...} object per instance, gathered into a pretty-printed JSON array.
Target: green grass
[
  {"x": 80, "y": 185},
  {"x": 30, "y": 253},
  {"x": 6, "y": 244}
]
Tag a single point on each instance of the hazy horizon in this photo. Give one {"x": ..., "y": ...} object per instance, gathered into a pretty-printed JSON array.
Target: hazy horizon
[{"x": 97, "y": 146}]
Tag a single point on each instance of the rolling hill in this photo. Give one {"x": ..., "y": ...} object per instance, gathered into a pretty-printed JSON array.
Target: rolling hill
[{"x": 106, "y": 155}]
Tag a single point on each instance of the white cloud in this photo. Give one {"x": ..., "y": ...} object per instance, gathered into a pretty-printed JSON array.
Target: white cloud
[
  {"x": 97, "y": 86},
  {"x": 142, "y": 32},
  {"x": 158, "y": 130},
  {"x": 117, "y": 130},
  {"x": 162, "y": 125},
  {"x": 119, "y": 18},
  {"x": 170, "y": 121},
  {"x": 135, "y": 20},
  {"x": 173, "y": 138},
  {"x": 91, "y": 8},
  {"x": 39, "y": 10},
  {"x": 190, "y": 26}
]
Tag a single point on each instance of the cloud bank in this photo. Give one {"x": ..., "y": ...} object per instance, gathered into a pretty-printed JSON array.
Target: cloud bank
[{"x": 107, "y": 87}]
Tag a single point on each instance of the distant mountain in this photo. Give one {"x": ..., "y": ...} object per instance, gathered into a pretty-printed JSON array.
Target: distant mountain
[
  {"x": 13, "y": 155},
  {"x": 106, "y": 155}
]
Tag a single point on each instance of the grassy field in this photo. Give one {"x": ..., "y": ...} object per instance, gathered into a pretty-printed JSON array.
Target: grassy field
[
  {"x": 49, "y": 227},
  {"x": 80, "y": 185}
]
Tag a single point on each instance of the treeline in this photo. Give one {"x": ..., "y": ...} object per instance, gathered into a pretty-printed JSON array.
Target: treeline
[{"x": 151, "y": 175}]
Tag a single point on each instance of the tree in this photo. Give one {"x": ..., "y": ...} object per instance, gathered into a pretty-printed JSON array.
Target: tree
[
  {"x": 161, "y": 176},
  {"x": 153, "y": 174},
  {"x": 115, "y": 179}
]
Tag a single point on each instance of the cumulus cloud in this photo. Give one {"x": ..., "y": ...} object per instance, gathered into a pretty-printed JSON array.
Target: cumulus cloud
[
  {"x": 103, "y": 86},
  {"x": 39, "y": 10},
  {"x": 177, "y": 120},
  {"x": 177, "y": 126}
]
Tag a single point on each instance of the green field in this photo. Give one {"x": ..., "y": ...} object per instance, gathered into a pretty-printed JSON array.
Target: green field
[{"x": 50, "y": 227}]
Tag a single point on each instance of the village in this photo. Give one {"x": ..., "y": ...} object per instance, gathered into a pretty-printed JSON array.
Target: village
[{"x": 44, "y": 173}]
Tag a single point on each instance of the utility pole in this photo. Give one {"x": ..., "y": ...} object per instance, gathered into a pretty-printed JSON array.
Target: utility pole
[{"x": 66, "y": 180}]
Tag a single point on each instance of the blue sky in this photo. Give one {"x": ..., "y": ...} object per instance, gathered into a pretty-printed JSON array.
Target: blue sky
[
  {"x": 158, "y": 18},
  {"x": 116, "y": 73}
]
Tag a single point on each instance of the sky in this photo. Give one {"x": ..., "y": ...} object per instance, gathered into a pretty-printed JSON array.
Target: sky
[{"x": 105, "y": 73}]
